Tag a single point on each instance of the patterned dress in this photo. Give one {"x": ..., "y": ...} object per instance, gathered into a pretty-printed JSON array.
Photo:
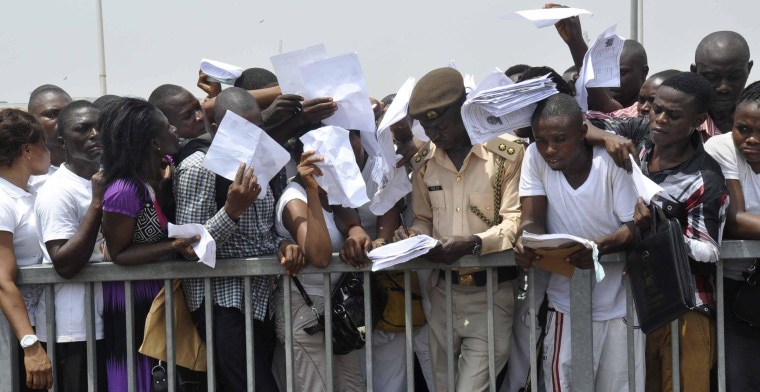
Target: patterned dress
[{"x": 126, "y": 198}]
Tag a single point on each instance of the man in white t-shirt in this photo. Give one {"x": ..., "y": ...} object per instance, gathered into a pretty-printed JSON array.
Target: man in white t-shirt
[
  {"x": 46, "y": 103},
  {"x": 68, "y": 210},
  {"x": 568, "y": 187}
]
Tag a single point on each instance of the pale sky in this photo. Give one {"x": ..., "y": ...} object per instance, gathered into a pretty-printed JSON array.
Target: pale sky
[{"x": 149, "y": 43}]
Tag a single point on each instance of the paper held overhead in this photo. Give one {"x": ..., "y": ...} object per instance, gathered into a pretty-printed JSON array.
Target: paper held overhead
[
  {"x": 498, "y": 106},
  {"x": 222, "y": 72},
  {"x": 398, "y": 108},
  {"x": 205, "y": 248},
  {"x": 341, "y": 78},
  {"x": 287, "y": 67},
  {"x": 340, "y": 178},
  {"x": 601, "y": 66},
  {"x": 545, "y": 17},
  {"x": 239, "y": 141}
]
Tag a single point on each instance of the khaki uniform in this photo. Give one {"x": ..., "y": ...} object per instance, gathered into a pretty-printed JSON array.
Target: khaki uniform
[{"x": 450, "y": 202}]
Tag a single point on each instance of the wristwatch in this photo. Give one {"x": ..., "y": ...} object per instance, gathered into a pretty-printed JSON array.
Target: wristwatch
[
  {"x": 478, "y": 246},
  {"x": 28, "y": 341}
]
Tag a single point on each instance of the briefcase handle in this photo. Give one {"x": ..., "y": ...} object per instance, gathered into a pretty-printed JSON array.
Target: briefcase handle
[{"x": 658, "y": 215}]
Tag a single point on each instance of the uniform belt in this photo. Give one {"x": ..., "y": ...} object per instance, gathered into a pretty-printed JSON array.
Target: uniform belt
[{"x": 480, "y": 278}]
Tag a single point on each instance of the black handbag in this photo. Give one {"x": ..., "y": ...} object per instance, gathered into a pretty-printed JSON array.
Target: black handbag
[
  {"x": 347, "y": 299},
  {"x": 659, "y": 272},
  {"x": 748, "y": 296},
  {"x": 158, "y": 379}
]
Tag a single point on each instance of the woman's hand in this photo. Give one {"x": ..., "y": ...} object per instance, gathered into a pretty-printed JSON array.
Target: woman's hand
[
  {"x": 291, "y": 257},
  {"x": 184, "y": 246},
  {"x": 307, "y": 169},
  {"x": 39, "y": 371}
]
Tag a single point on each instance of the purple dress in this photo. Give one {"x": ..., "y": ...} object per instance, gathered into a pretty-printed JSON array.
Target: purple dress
[{"x": 126, "y": 198}]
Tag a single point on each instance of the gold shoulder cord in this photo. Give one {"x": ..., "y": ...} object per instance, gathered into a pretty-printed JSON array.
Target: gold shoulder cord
[{"x": 498, "y": 184}]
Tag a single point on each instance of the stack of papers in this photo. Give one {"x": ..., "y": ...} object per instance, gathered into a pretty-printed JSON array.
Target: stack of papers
[
  {"x": 205, "y": 248},
  {"x": 498, "y": 106},
  {"x": 222, "y": 72},
  {"x": 239, "y": 141},
  {"x": 554, "y": 248},
  {"x": 341, "y": 177},
  {"x": 401, "y": 251},
  {"x": 601, "y": 66},
  {"x": 546, "y": 17}
]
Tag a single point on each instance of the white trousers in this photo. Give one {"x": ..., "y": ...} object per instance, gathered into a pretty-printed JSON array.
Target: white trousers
[{"x": 610, "y": 350}]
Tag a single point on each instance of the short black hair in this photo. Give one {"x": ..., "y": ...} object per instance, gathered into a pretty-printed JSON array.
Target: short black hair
[
  {"x": 635, "y": 51},
  {"x": 536, "y": 72},
  {"x": 516, "y": 69},
  {"x": 666, "y": 74},
  {"x": 44, "y": 89},
  {"x": 104, "y": 100},
  {"x": 692, "y": 84},
  {"x": 256, "y": 79},
  {"x": 750, "y": 94},
  {"x": 17, "y": 128},
  {"x": 234, "y": 99},
  {"x": 558, "y": 105},
  {"x": 164, "y": 92},
  {"x": 388, "y": 100},
  {"x": 68, "y": 112}
]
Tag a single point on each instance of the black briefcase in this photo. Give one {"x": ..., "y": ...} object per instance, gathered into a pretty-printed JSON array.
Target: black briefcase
[{"x": 660, "y": 274}]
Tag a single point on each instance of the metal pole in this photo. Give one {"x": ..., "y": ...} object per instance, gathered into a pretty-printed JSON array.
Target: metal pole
[
  {"x": 634, "y": 19},
  {"x": 640, "y": 21},
  {"x": 101, "y": 48}
]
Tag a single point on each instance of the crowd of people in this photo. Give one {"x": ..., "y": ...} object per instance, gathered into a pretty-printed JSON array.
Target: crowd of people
[{"x": 88, "y": 182}]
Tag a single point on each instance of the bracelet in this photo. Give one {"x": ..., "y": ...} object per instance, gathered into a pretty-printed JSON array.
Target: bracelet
[{"x": 351, "y": 226}]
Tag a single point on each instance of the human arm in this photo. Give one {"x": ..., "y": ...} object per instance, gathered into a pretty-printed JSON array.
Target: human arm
[
  {"x": 357, "y": 245},
  {"x": 306, "y": 221},
  {"x": 117, "y": 231},
  {"x": 211, "y": 87},
  {"x": 740, "y": 224},
  {"x": 264, "y": 97},
  {"x": 620, "y": 139},
  {"x": 70, "y": 254},
  {"x": 570, "y": 30},
  {"x": 195, "y": 191},
  {"x": 288, "y": 115},
  {"x": 532, "y": 220},
  {"x": 39, "y": 373}
]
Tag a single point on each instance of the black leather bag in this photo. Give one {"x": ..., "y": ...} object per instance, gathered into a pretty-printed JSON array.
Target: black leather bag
[
  {"x": 348, "y": 323},
  {"x": 660, "y": 274},
  {"x": 748, "y": 296}
]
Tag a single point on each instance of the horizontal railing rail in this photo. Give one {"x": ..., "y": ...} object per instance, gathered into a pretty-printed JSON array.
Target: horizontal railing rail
[{"x": 168, "y": 270}]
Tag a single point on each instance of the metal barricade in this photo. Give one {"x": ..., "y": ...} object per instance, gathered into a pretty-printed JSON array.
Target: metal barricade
[{"x": 581, "y": 328}]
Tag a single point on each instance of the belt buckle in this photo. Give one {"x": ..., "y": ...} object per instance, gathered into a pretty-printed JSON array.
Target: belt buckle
[{"x": 467, "y": 280}]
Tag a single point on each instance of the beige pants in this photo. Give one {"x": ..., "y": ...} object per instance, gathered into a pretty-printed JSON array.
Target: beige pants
[
  {"x": 470, "y": 330},
  {"x": 309, "y": 360}
]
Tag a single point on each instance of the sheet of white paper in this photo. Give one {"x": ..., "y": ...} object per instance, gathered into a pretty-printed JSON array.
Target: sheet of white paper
[
  {"x": 401, "y": 251},
  {"x": 223, "y": 72},
  {"x": 398, "y": 108},
  {"x": 341, "y": 177},
  {"x": 341, "y": 78},
  {"x": 545, "y": 17},
  {"x": 538, "y": 241},
  {"x": 239, "y": 141},
  {"x": 601, "y": 65},
  {"x": 645, "y": 187},
  {"x": 205, "y": 248},
  {"x": 287, "y": 67},
  {"x": 419, "y": 132}
]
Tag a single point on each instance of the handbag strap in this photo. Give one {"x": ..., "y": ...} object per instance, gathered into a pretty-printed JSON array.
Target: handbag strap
[{"x": 301, "y": 290}]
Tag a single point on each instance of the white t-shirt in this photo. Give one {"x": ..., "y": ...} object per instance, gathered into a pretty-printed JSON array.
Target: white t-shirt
[
  {"x": 61, "y": 205},
  {"x": 735, "y": 167},
  {"x": 17, "y": 218},
  {"x": 36, "y": 182},
  {"x": 312, "y": 283},
  {"x": 597, "y": 208}
]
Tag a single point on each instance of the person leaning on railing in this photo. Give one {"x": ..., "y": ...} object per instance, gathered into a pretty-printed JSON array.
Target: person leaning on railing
[
  {"x": 22, "y": 154},
  {"x": 738, "y": 154},
  {"x": 136, "y": 137},
  {"x": 304, "y": 215}
]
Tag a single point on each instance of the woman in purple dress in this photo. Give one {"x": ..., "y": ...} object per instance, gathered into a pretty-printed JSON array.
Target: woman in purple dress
[{"x": 136, "y": 139}]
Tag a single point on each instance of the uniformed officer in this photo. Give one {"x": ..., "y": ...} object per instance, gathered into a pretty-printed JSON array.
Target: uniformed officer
[{"x": 466, "y": 196}]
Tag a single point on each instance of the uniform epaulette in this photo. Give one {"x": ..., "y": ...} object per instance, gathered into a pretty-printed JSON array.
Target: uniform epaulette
[
  {"x": 506, "y": 145},
  {"x": 425, "y": 152}
]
